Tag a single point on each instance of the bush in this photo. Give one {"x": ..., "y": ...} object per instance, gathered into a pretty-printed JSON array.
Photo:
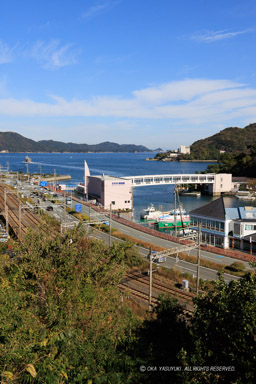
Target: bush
[{"x": 237, "y": 266}]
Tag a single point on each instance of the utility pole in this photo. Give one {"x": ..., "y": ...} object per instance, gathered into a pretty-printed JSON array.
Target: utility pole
[
  {"x": 198, "y": 258},
  {"x": 132, "y": 202},
  {"x": 150, "y": 279},
  {"x": 64, "y": 210},
  {"x": 175, "y": 213},
  {"x": 54, "y": 188},
  {"x": 110, "y": 224},
  {"x": 27, "y": 171},
  {"x": 19, "y": 221},
  {"x": 6, "y": 213},
  {"x": 7, "y": 222}
]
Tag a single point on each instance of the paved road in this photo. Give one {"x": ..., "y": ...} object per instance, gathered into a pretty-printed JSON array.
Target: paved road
[
  {"x": 184, "y": 266},
  {"x": 223, "y": 260}
]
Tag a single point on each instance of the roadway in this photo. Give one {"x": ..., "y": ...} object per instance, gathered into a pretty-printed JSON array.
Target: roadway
[
  {"x": 222, "y": 260},
  {"x": 184, "y": 266}
]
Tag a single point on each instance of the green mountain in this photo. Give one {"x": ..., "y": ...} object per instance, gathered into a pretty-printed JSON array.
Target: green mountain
[
  {"x": 13, "y": 142},
  {"x": 234, "y": 140}
]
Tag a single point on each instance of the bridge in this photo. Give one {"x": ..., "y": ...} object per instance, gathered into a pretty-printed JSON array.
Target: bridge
[{"x": 207, "y": 178}]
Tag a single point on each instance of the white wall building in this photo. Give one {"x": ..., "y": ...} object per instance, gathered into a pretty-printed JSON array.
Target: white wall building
[
  {"x": 184, "y": 150},
  {"x": 226, "y": 227},
  {"x": 111, "y": 190}
]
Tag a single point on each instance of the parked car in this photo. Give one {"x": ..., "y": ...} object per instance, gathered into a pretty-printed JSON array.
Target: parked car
[{"x": 49, "y": 208}]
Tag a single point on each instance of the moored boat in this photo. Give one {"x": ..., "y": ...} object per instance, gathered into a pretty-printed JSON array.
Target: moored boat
[
  {"x": 169, "y": 219},
  {"x": 150, "y": 214},
  {"x": 245, "y": 195}
]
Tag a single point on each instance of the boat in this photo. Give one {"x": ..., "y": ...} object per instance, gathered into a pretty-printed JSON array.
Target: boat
[
  {"x": 186, "y": 192},
  {"x": 166, "y": 219},
  {"x": 151, "y": 213},
  {"x": 181, "y": 218},
  {"x": 245, "y": 195},
  {"x": 27, "y": 160}
]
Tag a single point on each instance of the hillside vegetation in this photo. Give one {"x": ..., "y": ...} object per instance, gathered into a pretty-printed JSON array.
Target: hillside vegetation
[
  {"x": 234, "y": 140},
  {"x": 64, "y": 320},
  {"x": 231, "y": 140},
  {"x": 13, "y": 142},
  {"x": 239, "y": 164}
]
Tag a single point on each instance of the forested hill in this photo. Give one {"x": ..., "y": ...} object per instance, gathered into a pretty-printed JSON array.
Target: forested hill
[
  {"x": 234, "y": 140},
  {"x": 13, "y": 142}
]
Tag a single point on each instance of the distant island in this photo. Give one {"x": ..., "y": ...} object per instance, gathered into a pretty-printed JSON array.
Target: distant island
[
  {"x": 230, "y": 140},
  {"x": 13, "y": 142}
]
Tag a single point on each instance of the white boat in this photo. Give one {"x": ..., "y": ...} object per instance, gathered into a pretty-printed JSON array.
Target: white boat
[
  {"x": 152, "y": 214},
  {"x": 245, "y": 195}
]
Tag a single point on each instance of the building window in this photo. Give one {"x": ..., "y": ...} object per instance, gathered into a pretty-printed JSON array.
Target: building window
[
  {"x": 249, "y": 227},
  {"x": 237, "y": 229}
]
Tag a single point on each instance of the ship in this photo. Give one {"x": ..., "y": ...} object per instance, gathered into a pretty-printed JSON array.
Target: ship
[
  {"x": 150, "y": 214},
  {"x": 27, "y": 160},
  {"x": 166, "y": 219},
  {"x": 246, "y": 195}
]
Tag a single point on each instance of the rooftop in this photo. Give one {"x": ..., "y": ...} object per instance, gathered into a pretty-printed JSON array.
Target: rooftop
[{"x": 217, "y": 209}]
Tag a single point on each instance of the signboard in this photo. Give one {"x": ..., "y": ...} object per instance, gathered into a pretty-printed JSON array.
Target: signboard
[
  {"x": 43, "y": 183},
  {"x": 78, "y": 207}
]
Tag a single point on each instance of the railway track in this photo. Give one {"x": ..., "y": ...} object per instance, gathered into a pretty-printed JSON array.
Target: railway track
[
  {"x": 19, "y": 219},
  {"x": 137, "y": 285}
]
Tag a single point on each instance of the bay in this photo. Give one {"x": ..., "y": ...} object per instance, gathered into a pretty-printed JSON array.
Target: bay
[{"x": 117, "y": 164}]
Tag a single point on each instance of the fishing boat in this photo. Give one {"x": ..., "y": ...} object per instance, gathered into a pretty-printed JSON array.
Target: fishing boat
[
  {"x": 166, "y": 219},
  {"x": 151, "y": 213},
  {"x": 178, "y": 218}
]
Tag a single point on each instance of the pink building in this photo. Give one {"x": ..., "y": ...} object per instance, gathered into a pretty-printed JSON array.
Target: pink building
[
  {"x": 107, "y": 190},
  {"x": 110, "y": 190}
]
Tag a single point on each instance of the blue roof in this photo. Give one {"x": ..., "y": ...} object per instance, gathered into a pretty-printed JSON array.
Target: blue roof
[
  {"x": 232, "y": 213},
  {"x": 247, "y": 212}
]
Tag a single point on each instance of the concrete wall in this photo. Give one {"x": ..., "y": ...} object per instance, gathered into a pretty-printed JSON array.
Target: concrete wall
[
  {"x": 118, "y": 192},
  {"x": 223, "y": 183},
  {"x": 110, "y": 190}
]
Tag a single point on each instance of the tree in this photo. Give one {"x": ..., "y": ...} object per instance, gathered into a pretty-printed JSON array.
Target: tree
[
  {"x": 159, "y": 341},
  {"x": 61, "y": 315},
  {"x": 224, "y": 333}
]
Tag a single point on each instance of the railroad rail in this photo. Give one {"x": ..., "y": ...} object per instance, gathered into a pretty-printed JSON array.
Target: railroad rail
[
  {"x": 137, "y": 286},
  {"x": 18, "y": 218}
]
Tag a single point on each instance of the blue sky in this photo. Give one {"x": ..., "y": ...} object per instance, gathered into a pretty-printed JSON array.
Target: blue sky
[{"x": 156, "y": 72}]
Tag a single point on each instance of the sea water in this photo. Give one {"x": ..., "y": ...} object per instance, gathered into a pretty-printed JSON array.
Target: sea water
[{"x": 117, "y": 164}]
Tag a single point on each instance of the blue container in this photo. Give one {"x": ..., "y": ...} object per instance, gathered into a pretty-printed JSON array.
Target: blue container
[{"x": 43, "y": 183}]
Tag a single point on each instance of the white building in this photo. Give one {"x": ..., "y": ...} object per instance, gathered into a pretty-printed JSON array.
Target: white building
[
  {"x": 111, "y": 190},
  {"x": 107, "y": 190},
  {"x": 184, "y": 150},
  {"x": 226, "y": 227}
]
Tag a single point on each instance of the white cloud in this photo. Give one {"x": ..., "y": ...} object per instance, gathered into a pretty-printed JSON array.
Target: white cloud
[
  {"x": 6, "y": 53},
  {"x": 211, "y": 36},
  {"x": 191, "y": 101},
  {"x": 52, "y": 54},
  {"x": 96, "y": 10}
]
